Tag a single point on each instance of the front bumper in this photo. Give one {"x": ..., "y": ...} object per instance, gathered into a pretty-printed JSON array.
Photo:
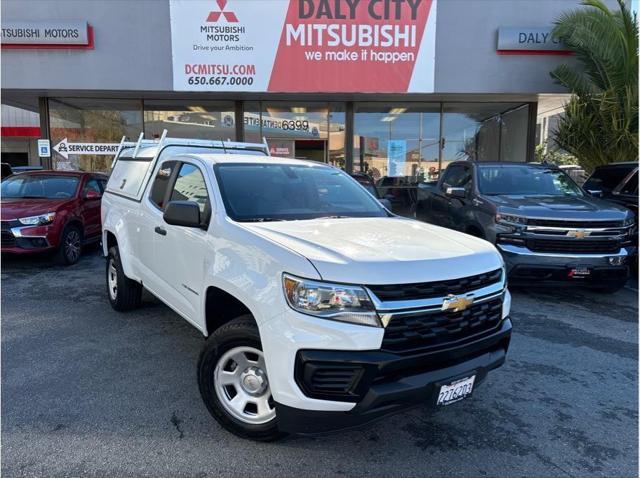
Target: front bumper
[
  {"x": 524, "y": 265},
  {"x": 18, "y": 239},
  {"x": 386, "y": 383}
]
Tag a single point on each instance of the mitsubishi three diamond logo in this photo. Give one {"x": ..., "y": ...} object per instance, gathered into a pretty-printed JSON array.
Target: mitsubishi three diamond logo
[{"x": 229, "y": 16}]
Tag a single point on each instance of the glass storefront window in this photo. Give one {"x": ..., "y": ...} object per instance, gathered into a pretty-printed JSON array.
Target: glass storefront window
[
  {"x": 91, "y": 121},
  {"x": 484, "y": 132},
  {"x": 513, "y": 142},
  {"x": 397, "y": 140},
  {"x": 312, "y": 131},
  {"x": 252, "y": 129},
  {"x": 401, "y": 142},
  {"x": 397, "y": 145},
  {"x": 190, "y": 120},
  {"x": 336, "y": 135},
  {"x": 296, "y": 130}
]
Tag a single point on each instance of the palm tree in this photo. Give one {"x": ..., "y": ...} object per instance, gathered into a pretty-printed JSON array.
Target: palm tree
[{"x": 600, "y": 124}]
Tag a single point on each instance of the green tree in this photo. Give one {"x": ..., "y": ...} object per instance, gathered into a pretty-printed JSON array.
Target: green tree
[{"x": 600, "y": 124}]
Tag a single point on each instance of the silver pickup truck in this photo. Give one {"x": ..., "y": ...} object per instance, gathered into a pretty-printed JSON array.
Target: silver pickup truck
[{"x": 547, "y": 228}]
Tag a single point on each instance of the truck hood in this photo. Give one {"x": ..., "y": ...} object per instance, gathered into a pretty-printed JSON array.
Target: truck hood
[
  {"x": 559, "y": 207},
  {"x": 382, "y": 250},
  {"x": 14, "y": 208}
]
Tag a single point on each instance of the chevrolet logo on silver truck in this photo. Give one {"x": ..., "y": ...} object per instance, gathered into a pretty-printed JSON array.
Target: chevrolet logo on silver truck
[
  {"x": 578, "y": 233},
  {"x": 457, "y": 303}
]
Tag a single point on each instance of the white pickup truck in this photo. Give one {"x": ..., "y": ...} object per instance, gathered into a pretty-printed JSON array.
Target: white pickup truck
[{"x": 322, "y": 310}]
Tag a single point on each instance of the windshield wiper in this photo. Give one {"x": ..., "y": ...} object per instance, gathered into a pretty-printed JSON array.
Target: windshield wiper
[
  {"x": 333, "y": 217},
  {"x": 262, "y": 219}
]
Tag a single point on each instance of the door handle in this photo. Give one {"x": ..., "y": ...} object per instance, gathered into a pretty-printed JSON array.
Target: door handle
[{"x": 160, "y": 230}]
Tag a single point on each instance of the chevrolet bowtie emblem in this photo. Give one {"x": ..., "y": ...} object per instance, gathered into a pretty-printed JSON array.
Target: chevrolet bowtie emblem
[
  {"x": 457, "y": 303},
  {"x": 578, "y": 234}
]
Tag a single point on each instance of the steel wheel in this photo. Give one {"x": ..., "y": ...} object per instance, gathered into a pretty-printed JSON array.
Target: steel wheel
[
  {"x": 112, "y": 280},
  {"x": 72, "y": 246},
  {"x": 242, "y": 386}
]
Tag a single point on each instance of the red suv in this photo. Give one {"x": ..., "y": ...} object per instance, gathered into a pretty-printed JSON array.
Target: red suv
[{"x": 51, "y": 211}]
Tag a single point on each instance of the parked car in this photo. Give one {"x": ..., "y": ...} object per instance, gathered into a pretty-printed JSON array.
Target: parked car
[
  {"x": 23, "y": 169},
  {"x": 617, "y": 182},
  {"x": 545, "y": 226},
  {"x": 322, "y": 310},
  {"x": 400, "y": 192},
  {"x": 6, "y": 170},
  {"x": 369, "y": 184},
  {"x": 51, "y": 211},
  {"x": 575, "y": 172}
]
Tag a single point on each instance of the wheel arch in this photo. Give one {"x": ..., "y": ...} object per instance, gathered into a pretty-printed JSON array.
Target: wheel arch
[
  {"x": 109, "y": 240},
  {"x": 221, "y": 307},
  {"x": 75, "y": 221}
]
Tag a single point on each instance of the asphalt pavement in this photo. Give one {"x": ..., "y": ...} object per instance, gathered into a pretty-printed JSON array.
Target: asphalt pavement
[{"x": 87, "y": 391}]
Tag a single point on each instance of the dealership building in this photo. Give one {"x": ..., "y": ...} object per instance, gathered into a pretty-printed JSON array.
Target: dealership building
[{"x": 395, "y": 88}]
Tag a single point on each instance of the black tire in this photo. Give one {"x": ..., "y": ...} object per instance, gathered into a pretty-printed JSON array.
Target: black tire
[
  {"x": 240, "y": 332},
  {"x": 70, "y": 248},
  {"x": 611, "y": 288},
  {"x": 128, "y": 293}
]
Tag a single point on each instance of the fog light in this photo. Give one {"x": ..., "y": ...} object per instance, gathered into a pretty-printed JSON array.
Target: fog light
[{"x": 617, "y": 260}]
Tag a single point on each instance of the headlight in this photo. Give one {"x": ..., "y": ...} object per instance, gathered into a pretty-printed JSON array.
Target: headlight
[
  {"x": 510, "y": 219},
  {"x": 40, "y": 220},
  {"x": 346, "y": 303}
]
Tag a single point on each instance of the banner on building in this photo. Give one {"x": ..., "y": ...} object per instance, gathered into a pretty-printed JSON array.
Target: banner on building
[{"x": 385, "y": 46}]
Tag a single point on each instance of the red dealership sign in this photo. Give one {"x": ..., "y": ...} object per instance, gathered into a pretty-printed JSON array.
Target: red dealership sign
[{"x": 304, "y": 45}]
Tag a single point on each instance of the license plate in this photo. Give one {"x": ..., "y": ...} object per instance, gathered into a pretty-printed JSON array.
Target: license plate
[
  {"x": 579, "y": 272},
  {"x": 456, "y": 391}
]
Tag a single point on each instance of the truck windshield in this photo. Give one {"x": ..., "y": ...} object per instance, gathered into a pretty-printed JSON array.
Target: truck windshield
[
  {"x": 281, "y": 192},
  {"x": 523, "y": 180},
  {"x": 39, "y": 186}
]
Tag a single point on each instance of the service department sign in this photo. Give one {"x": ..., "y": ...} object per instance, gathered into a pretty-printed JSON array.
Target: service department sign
[
  {"x": 303, "y": 45},
  {"x": 46, "y": 34}
]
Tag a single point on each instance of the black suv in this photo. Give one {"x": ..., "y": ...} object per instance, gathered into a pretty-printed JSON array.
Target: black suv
[{"x": 617, "y": 182}]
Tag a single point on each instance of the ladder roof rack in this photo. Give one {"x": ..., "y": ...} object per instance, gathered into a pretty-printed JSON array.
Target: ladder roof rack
[{"x": 166, "y": 141}]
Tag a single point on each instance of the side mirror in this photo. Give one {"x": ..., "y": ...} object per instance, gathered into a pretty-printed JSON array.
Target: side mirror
[
  {"x": 596, "y": 193},
  {"x": 92, "y": 194},
  {"x": 182, "y": 213},
  {"x": 386, "y": 203},
  {"x": 456, "y": 192}
]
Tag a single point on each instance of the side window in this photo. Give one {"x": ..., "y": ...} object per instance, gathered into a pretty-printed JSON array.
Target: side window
[
  {"x": 456, "y": 177},
  {"x": 465, "y": 180},
  {"x": 631, "y": 187},
  {"x": 91, "y": 185},
  {"x": 161, "y": 183},
  {"x": 103, "y": 184},
  {"x": 190, "y": 186},
  {"x": 606, "y": 179}
]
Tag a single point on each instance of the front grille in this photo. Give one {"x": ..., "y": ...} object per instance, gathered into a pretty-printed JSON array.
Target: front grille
[
  {"x": 430, "y": 290},
  {"x": 580, "y": 246},
  {"x": 573, "y": 224},
  {"x": 410, "y": 333}
]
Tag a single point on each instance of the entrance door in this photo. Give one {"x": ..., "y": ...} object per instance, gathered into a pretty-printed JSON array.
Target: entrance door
[{"x": 311, "y": 149}]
